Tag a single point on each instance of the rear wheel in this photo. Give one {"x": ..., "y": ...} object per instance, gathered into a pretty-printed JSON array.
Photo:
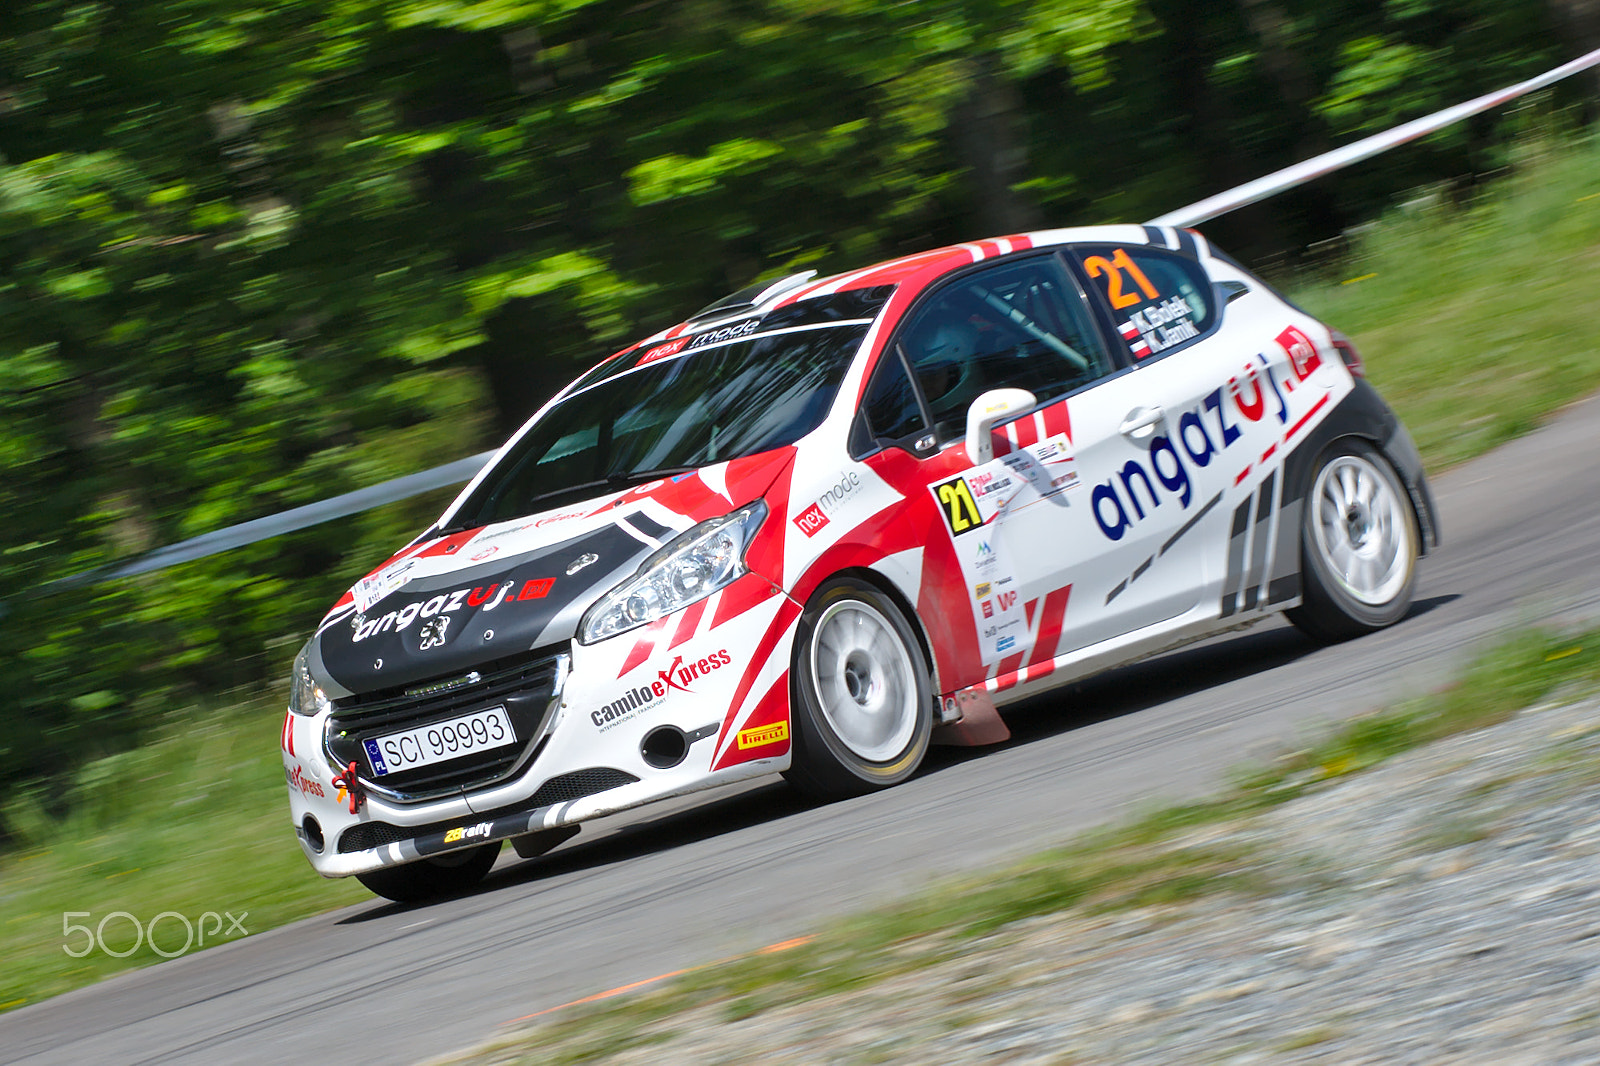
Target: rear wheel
[
  {"x": 1358, "y": 546},
  {"x": 861, "y": 700},
  {"x": 441, "y": 875}
]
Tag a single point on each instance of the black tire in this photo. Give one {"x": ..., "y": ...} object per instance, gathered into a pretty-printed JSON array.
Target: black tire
[
  {"x": 866, "y": 725},
  {"x": 1358, "y": 545},
  {"x": 430, "y": 878}
]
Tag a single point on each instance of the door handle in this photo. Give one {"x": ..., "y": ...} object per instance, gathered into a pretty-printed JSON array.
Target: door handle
[{"x": 1141, "y": 422}]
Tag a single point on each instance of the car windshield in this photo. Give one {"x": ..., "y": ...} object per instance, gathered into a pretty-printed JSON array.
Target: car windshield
[{"x": 670, "y": 415}]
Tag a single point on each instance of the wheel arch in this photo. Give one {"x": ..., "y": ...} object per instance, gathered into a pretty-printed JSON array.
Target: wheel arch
[
  {"x": 1361, "y": 415},
  {"x": 884, "y": 584}
]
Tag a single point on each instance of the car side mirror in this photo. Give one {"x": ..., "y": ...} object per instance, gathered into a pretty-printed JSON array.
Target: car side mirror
[{"x": 989, "y": 408}]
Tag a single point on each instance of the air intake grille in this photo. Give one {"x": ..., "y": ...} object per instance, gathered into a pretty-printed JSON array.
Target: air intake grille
[
  {"x": 578, "y": 784},
  {"x": 524, "y": 686},
  {"x": 396, "y": 708},
  {"x": 376, "y": 835}
]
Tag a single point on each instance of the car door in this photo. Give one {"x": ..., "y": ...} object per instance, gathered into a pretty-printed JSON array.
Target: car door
[
  {"x": 1170, "y": 447},
  {"x": 1011, "y": 527}
]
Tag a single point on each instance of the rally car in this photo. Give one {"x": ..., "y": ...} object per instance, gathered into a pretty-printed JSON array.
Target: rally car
[{"x": 828, "y": 521}]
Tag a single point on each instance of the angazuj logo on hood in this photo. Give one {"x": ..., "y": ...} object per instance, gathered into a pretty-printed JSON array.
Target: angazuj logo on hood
[{"x": 449, "y": 623}]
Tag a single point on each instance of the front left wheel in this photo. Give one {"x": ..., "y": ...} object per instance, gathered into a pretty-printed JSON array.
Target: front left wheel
[{"x": 860, "y": 697}]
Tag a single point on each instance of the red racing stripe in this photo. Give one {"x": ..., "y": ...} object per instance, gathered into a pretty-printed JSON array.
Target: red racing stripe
[
  {"x": 1306, "y": 417},
  {"x": 1057, "y": 419},
  {"x": 688, "y": 623},
  {"x": 644, "y": 645},
  {"x": 772, "y": 713},
  {"x": 1007, "y": 676},
  {"x": 1042, "y": 661},
  {"x": 788, "y": 613}
]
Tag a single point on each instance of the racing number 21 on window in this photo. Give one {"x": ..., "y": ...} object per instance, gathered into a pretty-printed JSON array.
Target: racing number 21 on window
[{"x": 1111, "y": 269}]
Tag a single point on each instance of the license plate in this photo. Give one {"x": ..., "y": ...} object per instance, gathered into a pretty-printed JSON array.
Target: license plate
[{"x": 439, "y": 742}]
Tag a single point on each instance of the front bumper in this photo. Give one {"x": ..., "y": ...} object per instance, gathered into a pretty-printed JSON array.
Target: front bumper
[{"x": 668, "y": 709}]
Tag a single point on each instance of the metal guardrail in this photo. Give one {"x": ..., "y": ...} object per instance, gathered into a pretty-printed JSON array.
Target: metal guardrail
[{"x": 463, "y": 470}]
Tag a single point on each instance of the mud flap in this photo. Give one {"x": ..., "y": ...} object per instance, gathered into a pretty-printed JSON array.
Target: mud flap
[{"x": 980, "y": 723}]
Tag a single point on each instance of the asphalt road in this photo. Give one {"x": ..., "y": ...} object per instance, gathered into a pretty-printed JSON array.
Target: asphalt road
[{"x": 681, "y": 884}]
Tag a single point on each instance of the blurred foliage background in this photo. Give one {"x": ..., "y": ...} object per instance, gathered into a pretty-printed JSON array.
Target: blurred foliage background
[{"x": 252, "y": 256}]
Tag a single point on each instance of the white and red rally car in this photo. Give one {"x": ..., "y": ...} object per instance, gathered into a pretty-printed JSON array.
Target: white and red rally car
[{"x": 827, "y": 521}]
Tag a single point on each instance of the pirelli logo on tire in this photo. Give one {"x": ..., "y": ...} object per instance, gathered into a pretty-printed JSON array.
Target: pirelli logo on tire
[{"x": 761, "y": 736}]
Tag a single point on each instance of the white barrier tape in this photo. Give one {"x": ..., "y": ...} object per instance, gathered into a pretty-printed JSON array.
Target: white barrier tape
[
  {"x": 1300, "y": 173},
  {"x": 463, "y": 470}
]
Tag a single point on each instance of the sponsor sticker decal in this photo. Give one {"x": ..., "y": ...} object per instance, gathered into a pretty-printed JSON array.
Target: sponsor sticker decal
[
  {"x": 1301, "y": 352},
  {"x": 810, "y": 520},
  {"x": 627, "y": 705},
  {"x": 726, "y": 333},
  {"x": 468, "y": 832},
  {"x": 661, "y": 351},
  {"x": 536, "y": 588},
  {"x": 816, "y": 516},
  {"x": 978, "y": 500},
  {"x": 680, "y": 675},
  {"x": 761, "y": 736},
  {"x": 369, "y": 590},
  {"x": 306, "y": 786},
  {"x": 482, "y": 598}
]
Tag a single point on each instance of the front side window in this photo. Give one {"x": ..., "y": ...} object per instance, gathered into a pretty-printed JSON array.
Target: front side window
[
  {"x": 1020, "y": 325},
  {"x": 892, "y": 409}
]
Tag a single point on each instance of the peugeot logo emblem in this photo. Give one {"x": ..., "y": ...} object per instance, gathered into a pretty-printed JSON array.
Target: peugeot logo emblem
[{"x": 581, "y": 561}]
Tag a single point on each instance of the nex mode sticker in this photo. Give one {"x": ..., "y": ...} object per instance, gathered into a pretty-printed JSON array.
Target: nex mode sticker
[{"x": 813, "y": 518}]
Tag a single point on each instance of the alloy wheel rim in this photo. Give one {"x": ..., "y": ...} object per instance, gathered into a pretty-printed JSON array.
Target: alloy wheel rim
[
  {"x": 865, "y": 681},
  {"x": 1362, "y": 530}
]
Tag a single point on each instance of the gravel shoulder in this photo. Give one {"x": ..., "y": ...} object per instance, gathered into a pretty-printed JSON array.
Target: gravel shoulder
[{"x": 1441, "y": 906}]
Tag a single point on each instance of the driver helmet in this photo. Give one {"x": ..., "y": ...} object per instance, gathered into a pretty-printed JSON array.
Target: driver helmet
[{"x": 945, "y": 357}]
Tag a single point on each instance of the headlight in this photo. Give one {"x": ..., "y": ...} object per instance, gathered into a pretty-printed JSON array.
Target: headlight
[
  {"x": 690, "y": 567},
  {"x": 305, "y": 696}
]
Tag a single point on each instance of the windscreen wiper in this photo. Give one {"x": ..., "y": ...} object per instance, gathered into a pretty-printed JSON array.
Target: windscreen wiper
[{"x": 614, "y": 481}]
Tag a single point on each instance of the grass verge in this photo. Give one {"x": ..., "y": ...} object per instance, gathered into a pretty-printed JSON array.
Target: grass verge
[
  {"x": 195, "y": 822},
  {"x": 1477, "y": 323},
  {"x": 1157, "y": 858}
]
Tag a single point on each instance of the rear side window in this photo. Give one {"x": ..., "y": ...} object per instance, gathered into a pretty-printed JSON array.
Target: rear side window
[{"x": 1159, "y": 300}]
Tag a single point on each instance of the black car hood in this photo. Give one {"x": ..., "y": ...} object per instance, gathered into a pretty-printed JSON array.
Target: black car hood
[{"x": 448, "y": 623}]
